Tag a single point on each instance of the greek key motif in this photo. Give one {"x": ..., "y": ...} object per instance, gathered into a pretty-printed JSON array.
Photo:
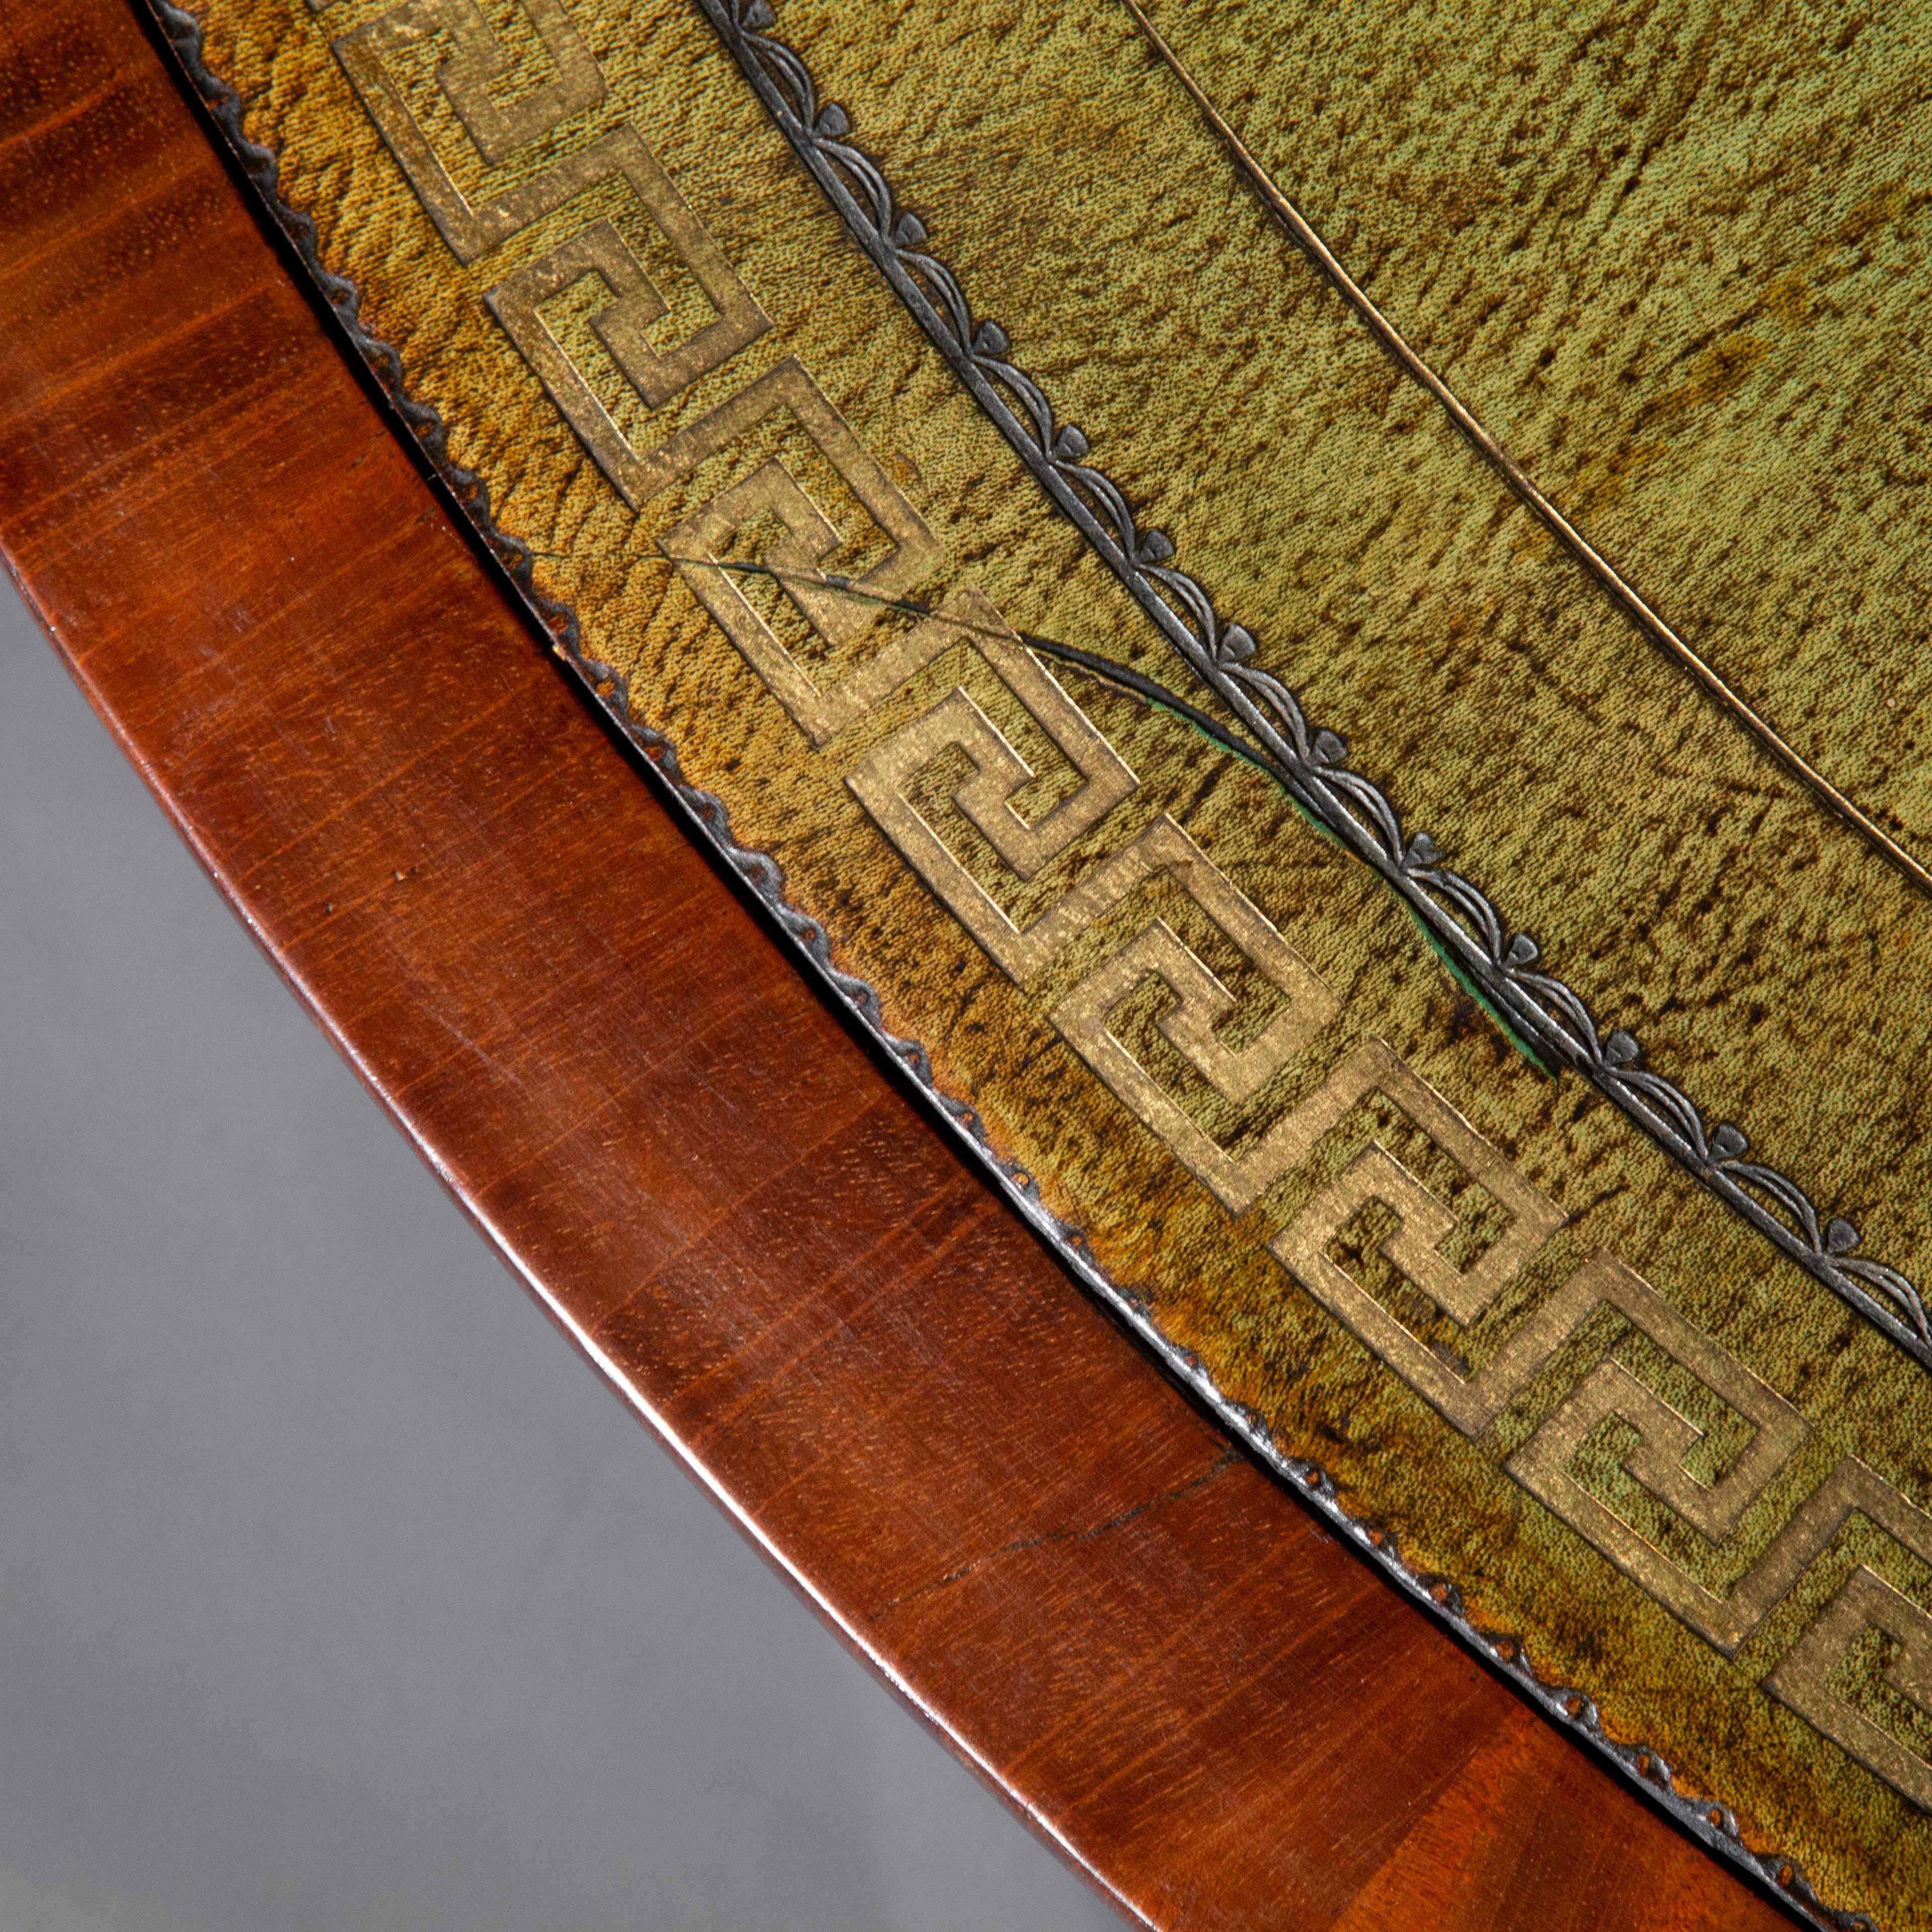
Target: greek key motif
[
  {"x": 999, "y": 774},
  {"x": 808, "y": 537},
  {"x": 1375, "y": 1174},
  {"x": 496, "y": 128},
  {"x": 1665, "y": 1438},
  {"x": 636, "y": 304},
  {"x": 1802, "y": 1682},
  {"x": 772, "y": 494},
  {"x": 1201, "y": 1004}
]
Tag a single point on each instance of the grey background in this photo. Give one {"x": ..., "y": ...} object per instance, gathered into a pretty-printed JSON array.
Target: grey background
[{"x": 335, "y": 1590}]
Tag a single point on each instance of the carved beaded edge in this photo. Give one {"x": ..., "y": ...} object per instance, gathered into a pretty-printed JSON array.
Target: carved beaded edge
[
  {"x": 1457, "y": 913},
  {"x": 1713, "y": 1824}
]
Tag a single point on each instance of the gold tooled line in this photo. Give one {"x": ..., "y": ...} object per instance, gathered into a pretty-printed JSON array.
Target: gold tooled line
[{"x": 1620, "y": 592}]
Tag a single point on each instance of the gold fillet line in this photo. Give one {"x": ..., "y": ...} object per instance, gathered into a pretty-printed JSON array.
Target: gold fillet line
[{"x": 1619, "y": 591}]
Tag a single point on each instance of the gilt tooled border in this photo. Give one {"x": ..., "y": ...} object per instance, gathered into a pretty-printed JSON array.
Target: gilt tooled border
[
  {"x": 1459, "y": 914},
  {"x": 1713, "y": 1824}
]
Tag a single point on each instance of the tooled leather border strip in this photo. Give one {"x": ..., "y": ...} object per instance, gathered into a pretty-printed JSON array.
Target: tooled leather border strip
[
  {"x": 1458, "y": 914},
  {"x": 1713, "y": 1824}
]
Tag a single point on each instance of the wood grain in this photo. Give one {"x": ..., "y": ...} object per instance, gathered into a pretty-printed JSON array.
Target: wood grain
[{"x": 1162, "y": 1658}]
